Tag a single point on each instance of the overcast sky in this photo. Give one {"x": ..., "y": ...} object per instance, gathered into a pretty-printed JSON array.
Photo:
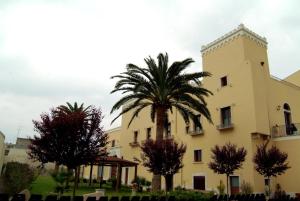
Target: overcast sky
[{"x": 54, "y": 51}]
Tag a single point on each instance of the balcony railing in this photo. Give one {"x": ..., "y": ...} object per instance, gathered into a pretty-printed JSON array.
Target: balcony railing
[
  {"x": 197, "y": 131},
  {"x": 168, "y": 137},
  {"x": 286, "y": 130},
  {"x": 225, "y": 126},
  {"x": 134, "y": 144}
]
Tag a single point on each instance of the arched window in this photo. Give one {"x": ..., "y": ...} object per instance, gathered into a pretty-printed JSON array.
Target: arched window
[
  {"x": 286, "y": 107},
  {"x": 287, "y": 118}
]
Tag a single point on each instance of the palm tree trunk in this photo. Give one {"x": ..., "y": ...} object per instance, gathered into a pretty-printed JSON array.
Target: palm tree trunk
[{"x": 160, "y": 119}]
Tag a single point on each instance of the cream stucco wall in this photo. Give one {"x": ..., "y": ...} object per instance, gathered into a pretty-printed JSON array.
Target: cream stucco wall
[{"x": 294, "y": 78}]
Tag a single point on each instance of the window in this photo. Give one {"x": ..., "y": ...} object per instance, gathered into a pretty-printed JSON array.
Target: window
[
  {"x": 197, "y": 124},
  {"x": 224, "y": 81},
  {"x": 100, "y": 172},
  {"x": 289, "y": 126},
  {"x": 148, "y": 133},
  {"x": 267, "y": 181},
  {"x": 113, "y": 143},
  {"x": 168, "y": 130},
  {"x": 135, "y": 136},
  {"x": 198, "y": 155},
  {"x": 225, "y": 116},
  {"x": 199, "y": 182}
]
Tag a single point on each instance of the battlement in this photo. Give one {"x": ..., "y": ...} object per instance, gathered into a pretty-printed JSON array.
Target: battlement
[{"x": 241, "y": 30}]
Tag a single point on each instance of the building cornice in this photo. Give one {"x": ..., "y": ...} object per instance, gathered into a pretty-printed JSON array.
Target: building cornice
[
  {"x": 2, "y": 134},
  {"x": 113, "y": 129},
  {"x": 241, "y": 30}
]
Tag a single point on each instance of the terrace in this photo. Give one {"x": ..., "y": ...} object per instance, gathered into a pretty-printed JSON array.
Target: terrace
[{"x": 285, "y": 130}]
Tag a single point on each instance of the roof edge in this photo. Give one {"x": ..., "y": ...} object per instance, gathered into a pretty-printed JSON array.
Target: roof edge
[{"x": 241, "y": 30}]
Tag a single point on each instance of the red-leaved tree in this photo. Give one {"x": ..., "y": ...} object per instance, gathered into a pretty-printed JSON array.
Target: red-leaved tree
[
  {"x": 270, "y": 162},
  {"x": 227, "y": 159},
  {"x": 69, "y": 138},
  {"x": 163, "y": 157}
]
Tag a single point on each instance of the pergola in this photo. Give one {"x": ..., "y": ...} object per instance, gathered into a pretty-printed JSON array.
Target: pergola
[{"x": 114, "y": 161}]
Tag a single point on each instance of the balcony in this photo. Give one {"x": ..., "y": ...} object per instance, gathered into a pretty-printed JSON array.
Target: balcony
[
  {"x": 195, "y": 132},
  {"x": 286, "y": 130},
  {"x": 225, "y": 126},
  {"x": 134, "y": 144},
  {"x": 168, "y": 137}
]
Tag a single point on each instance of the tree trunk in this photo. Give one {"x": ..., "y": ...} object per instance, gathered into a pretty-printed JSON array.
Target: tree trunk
[
  {"x": 269, "y": 186},
  {"x": 227, "y": 186},
  {"x": 91, "y": 173},
  {"x": 101, "y": 177},
  {"x": 156, "y": 182},
  {"x": 68, "y": 176},
  {"x": 77, "y": 177},
  {"x": 160, "y": 119},
  {"x": 169, "y": 182},
  {"x": 75, "y": 182}
]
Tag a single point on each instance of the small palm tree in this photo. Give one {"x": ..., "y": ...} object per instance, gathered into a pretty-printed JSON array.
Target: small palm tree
[
  {"x": 69, "y": 108},
  {"x": 161, "y": 87}
]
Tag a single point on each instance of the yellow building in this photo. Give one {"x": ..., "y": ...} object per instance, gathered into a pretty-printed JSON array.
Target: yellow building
[
  {"x": 113, "y": 149},
  {"x": 18, "y": 152},
  {"x": 249, "y": 106}
]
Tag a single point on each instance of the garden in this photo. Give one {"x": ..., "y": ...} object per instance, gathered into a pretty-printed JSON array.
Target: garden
[{"x": 72, "y": 136}]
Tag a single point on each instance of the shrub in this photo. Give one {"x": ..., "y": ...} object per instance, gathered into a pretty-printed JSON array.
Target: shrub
[
  {"x": 187, "y": 195},
  {"x": 246, "y": 188},
  {"x": 141, "y": 181},
  {"x": 113, "y": 181},
  {"x": 279, "y": 193},
  {"x": 61, "y": 180},
  {"x": 17, "y": 176},
  {"x": 178, "y": 188}
]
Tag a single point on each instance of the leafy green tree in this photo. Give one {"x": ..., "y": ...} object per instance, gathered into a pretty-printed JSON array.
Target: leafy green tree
[
  {"x": 162, "y": 88},
  {"x": 227, "y": 159},
  {"x": 270, "y": 162}
]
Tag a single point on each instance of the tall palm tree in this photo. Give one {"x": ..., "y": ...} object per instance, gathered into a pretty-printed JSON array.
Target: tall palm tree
[{"x": 162, "y": 88}]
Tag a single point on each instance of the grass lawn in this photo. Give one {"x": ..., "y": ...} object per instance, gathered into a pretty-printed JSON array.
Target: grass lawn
[{"x": 45, "y": 185}]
